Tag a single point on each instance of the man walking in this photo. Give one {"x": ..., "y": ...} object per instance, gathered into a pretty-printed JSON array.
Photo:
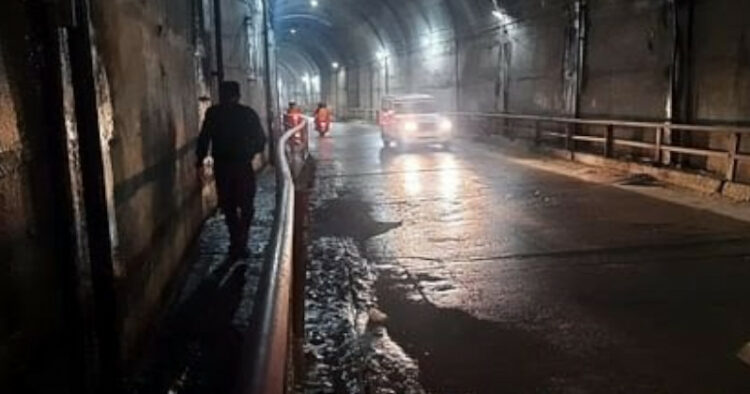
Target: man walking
[{"x": 235, "y": 135}]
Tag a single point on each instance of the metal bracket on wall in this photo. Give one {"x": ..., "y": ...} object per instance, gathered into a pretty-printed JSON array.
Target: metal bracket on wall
[
  {"x": 679, "y": 97},
  {"x": 575, "y": 53}
]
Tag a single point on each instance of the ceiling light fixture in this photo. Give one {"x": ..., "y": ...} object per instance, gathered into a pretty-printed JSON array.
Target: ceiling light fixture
[{"x": 500, "y": 16}]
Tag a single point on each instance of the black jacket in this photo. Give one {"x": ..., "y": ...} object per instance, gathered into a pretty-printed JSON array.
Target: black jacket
[{"x": 234, "y": 133}]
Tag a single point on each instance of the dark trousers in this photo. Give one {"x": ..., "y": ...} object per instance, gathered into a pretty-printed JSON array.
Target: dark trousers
[{"x": 235, "y": 186}]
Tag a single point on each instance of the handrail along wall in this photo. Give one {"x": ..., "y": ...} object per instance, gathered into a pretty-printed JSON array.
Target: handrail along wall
[{"x": 267, "y": 346}]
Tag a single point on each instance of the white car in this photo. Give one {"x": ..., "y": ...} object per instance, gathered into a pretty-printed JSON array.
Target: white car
[{"x": 413, "y": 119}]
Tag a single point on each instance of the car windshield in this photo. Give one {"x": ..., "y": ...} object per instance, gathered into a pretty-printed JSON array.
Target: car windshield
[{"x": 415, "y": 107}]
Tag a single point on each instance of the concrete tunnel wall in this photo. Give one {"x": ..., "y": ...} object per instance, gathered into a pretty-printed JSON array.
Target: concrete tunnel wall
[
  {"x": 155, "y": 74},
  {"x": 158, "y": 100},
  {"x": 155, "y": 60},
  {"x": 524, "y": 58}
]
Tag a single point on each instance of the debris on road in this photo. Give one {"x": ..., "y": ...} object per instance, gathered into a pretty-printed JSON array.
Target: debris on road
[{"x": 348, "y": 348}]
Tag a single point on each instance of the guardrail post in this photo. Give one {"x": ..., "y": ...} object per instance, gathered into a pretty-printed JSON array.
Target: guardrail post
[
  {"x": 569, "y": 141},
  {"x": 657, "y": 146},
  {"x": 734, "y": 147},
  {"x": 298, "y": 285},
  {"x": 307, "y": 140},
  {"x": 609, "y": 141}
]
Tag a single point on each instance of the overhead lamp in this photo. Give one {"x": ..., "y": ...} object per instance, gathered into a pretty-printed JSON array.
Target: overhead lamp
[
  {"x": 293, "y": 31},
  {"x": 500, "y": 16},
  {"x": 429, "y": 39},
  {"x": 313, "y": 3},
  {"x": 335, "y": 65}
]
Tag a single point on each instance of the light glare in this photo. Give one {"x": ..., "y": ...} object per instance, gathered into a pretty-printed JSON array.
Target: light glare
[
  {"x": 446, "y": 125},
  {"x": 501, "y": 17},
  {"x": 410, "y": 126},
  {"x": 429, "y": 40}
]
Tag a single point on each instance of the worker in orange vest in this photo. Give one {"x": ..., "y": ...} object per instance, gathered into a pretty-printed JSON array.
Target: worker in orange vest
[
  {"x": 322, "y": 119},
  {"x": 293, "y": 115}
]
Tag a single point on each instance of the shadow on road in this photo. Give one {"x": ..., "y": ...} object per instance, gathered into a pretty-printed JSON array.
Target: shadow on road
[{"x": 197, "y": 349}]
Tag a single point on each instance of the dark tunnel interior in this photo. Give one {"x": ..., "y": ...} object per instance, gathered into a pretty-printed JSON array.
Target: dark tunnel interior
[{"x": 473, "y": 196}]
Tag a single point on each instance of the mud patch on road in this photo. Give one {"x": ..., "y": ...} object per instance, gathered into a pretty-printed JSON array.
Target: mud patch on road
[{"x": 639, "y": 180}]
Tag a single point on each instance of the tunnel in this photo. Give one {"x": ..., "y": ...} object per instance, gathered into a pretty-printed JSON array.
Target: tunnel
[
  {"x": 358, "y": 52},
  {"x": 374, "y": 196}
]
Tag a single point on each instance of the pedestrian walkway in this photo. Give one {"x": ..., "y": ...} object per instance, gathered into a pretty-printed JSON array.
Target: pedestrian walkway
[{"x": 196, "y": 348}]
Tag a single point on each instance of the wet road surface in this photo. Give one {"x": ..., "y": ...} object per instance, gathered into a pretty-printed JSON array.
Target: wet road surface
[{"x": 500, "y": 277}]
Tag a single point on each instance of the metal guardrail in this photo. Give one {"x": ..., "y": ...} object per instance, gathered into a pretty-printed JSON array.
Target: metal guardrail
[
  {"x": 609, "y": 141},
  {"x": 267, "y": 348}
]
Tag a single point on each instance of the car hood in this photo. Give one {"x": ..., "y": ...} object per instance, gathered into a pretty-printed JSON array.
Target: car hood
[{"x": 420, "y": 117}]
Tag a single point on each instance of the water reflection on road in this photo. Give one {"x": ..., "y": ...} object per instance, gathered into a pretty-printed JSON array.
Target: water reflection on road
[{"x": 500, "y": 277}]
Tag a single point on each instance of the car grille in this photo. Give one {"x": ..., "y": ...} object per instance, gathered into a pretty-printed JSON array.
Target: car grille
[{"x": 427, "y": 126}]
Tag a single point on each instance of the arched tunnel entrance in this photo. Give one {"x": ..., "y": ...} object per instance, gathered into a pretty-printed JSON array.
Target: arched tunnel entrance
[
  {"x": 558, "y": 58},
  {"x": 455, "y": 268},
  {"x": 362, "y": 51}
]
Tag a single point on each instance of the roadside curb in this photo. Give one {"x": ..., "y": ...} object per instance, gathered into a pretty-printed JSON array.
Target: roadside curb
[
  {"x": 701, "y": 183},
  {"x": 695, "y": 182},
  {"x": 736, "y": 191}
]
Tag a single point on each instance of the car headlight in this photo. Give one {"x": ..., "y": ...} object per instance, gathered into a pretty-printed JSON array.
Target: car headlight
[
  {"x": 410, "y": 126},
  {"x": 446, "y": 125}
]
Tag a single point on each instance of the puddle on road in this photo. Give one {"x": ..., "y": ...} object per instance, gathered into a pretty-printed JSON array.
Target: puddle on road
[
  {"x": 349, "y": 217},
  {"x": 456, "y": 351}
]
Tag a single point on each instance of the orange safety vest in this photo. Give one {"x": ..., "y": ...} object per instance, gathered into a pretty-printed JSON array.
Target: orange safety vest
[
  {"x": 292, "y": 116},
  {"x": 323, "y": 115}
]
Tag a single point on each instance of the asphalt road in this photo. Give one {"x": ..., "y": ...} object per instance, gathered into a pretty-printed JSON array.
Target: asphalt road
[{"x": 499, "y": 277}]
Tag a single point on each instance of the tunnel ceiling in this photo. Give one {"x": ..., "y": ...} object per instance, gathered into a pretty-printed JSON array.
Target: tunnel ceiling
[{"x": 353, "y": 32}]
